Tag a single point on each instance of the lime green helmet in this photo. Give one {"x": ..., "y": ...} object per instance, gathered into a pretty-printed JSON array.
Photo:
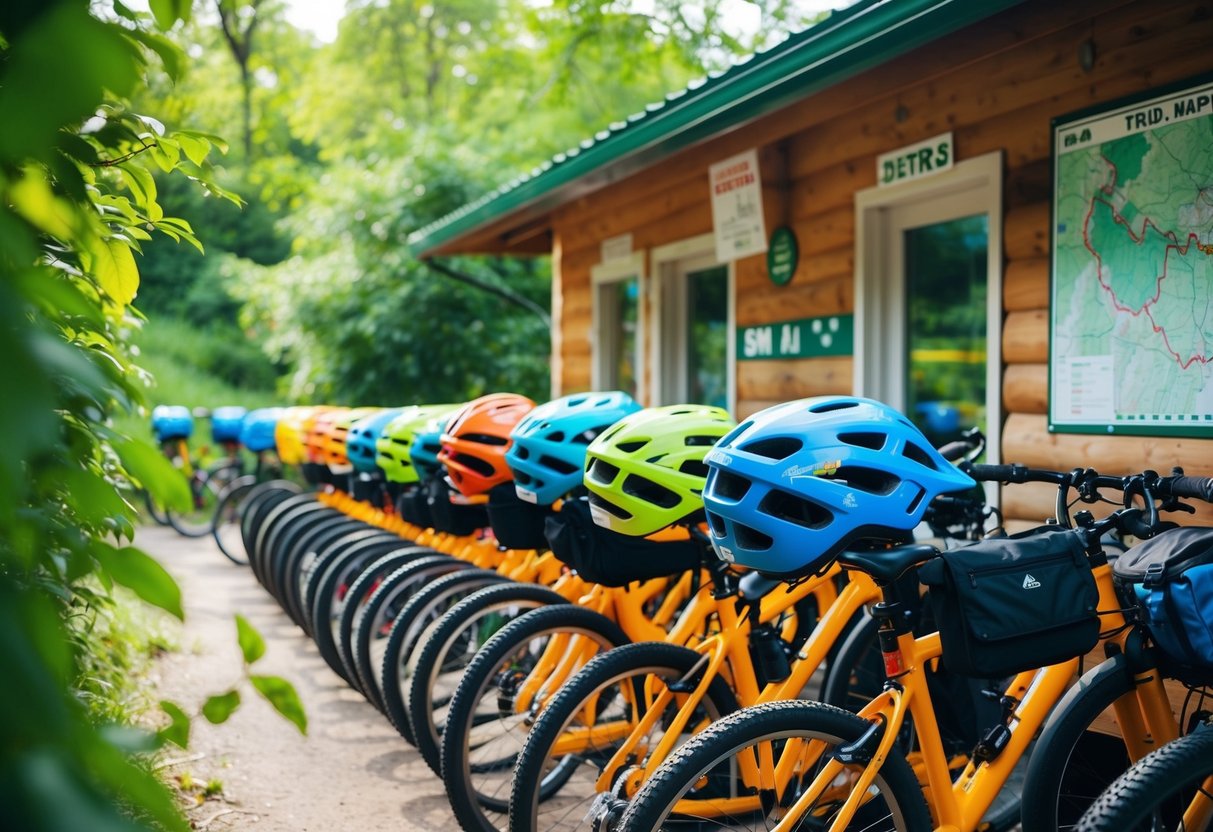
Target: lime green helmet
[
  {"x": 396, "y": 440},
  {"x": 647, "y": 471}
]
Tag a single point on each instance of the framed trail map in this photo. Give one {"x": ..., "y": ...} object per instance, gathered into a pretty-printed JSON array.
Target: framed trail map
[{"x": 1131, "y": 313}]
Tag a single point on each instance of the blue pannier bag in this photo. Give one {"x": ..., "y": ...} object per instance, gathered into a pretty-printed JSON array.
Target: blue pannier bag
[
  {"x": 1172, "y": 579},
  {"x": 226, "y": 423}
]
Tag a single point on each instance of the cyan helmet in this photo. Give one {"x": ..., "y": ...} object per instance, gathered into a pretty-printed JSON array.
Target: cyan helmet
[
  {"x": 226, "y": 423},
  {"x": 795, "y": 484},
  {"x": 360, "y": 442},
  {"x": 257, "y": 430},
  {"x": 396, "y": 440},
  {"x": 427, "y": 444},
  {"x": 646, "y": 471},
  {"x": 548, "y": 447},
  {"x": 172, "y": 421}
]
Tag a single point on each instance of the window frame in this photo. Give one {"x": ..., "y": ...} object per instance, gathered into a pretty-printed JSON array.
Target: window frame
[{"x": 603, "y": 275}]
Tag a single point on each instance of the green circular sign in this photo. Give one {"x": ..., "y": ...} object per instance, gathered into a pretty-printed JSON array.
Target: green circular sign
[{"x": 782, "y": 256}]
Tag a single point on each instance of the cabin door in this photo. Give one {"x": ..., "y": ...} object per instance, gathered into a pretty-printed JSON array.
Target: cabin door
[{"x": 929, "y": 310}]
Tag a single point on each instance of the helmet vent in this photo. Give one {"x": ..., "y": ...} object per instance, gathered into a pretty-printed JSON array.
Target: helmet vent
[
  {"x": 752, "y": 539},
  {"x": 603, "y": 472},
  {"x": 521, "y": 478},
  {"x": 403, "y": 442},
  {"x": 920, "y": 456},
  {"x": 776, "y": 448},
  {"x": 558, "y": 465},
  {"x": 478, "y": 465},
  {"x": 871, "y": 441},
  {"x": 913, "y": 506},
  {"x": 558, "y": 436},
  {"x": 633, "y": 446},
  {"x": 609, "y": 507},
  {"x": 866, "y": 479},
  {"x": 694, "y": 467},
  {"x": 484, "y": 439},
  {"x": 587, "y": 436},
  {"x": 793, "y": 509},
  {"x": 730, "y": 486},
  {"x": 520, "y": 452},
  {"x": 826, "y": 407},
  {"x": 701, "y": 441},
  {"x": 717, "y": 524},
  {"x": 649, "y": 491}
]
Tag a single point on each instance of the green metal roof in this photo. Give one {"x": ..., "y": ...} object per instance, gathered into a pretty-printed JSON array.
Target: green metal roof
[{"x": 841, "y": 46}]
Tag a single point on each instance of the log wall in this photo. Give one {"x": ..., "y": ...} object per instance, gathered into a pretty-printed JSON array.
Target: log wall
[{"x": 996, "y": 86}]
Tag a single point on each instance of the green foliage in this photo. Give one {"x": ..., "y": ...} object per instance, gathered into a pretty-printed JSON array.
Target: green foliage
[
  {"x": 282, "y": 695},
  {"x": 251, "y": 643},
  {"x": 219, "y": 707},
  {"x": 178, "y": 730}
]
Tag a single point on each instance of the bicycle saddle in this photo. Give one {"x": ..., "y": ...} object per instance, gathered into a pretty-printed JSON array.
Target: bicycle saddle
[{"x": 887, "y": 565}]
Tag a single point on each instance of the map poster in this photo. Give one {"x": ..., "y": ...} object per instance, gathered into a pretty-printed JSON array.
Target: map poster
[
  {"x": 1131, "y": 323},
  {"x": 737, "y": 207}
]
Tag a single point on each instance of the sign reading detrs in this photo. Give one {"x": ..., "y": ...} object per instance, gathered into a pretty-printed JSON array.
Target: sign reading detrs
[
  {"x": 915, "y": 161},
  {"x": 737, "y": 207}
]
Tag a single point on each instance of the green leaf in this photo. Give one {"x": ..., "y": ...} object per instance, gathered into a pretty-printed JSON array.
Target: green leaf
[
  {"x": 33, "y": 199},
  {"x": 282, "y": 695},
  {"x": 168, "y": 12},
  {"x": 170, "y": 54},
  {"x": 195, "y": 147},
  {"x": 139, "y": 571},
  {"x": 113, "y": 266},
  {"x": 218, "y": 708},
  {"x": 153, "y": 471},
  {"x": 252, "y": 645},
  {"x": 178, "y": 731}
]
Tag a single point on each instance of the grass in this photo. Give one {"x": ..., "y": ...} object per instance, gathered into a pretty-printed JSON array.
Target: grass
[{"x": 199, "y": 368}]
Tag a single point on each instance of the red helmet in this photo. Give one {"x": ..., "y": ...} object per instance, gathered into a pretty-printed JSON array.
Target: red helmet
[{"x": 476, "y": 439}]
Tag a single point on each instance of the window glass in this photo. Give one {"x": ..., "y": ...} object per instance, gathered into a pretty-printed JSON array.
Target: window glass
[
  {"x": 707, "y": 336},
  {"x": 946, "y": 271}
]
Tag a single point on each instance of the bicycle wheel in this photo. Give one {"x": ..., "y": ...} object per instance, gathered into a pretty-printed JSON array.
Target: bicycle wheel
[
  {"x": 435, "y": 661},
  {"x": 1074, "y": 760},
  {"x": 256, "y": 506},
  {"x": 374, "y": 623},
  {"x": 225, "y": 528},
  {"x": 1153, "y": 795},
  {"x": 483, "y": 735},
  {"x": 555, "y": 783},
  {"x": 155, "y": 510},
  {"x": 359, "y": 593},
  {"x": 301, "y": 594},
  {"x": 205, "y": 489},
  {"x": 683, "y": 792}
]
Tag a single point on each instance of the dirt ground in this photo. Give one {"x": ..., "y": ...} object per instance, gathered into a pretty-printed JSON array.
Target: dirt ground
[{"x": 352, "y": 771}]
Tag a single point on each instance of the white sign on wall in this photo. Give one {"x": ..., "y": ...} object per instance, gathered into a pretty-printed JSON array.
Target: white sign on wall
[
  {"x": 616, "y": 248},
  {"x": 737, "y": 207}
]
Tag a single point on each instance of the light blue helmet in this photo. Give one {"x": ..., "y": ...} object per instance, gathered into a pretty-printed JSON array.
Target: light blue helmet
[
  {"x": 793, "y": 485},
  {"x": 227, "y": 422},
  {"x": 257, "y": 430},
  {"x": 548, "y": 447},
  {"x": 427, "y": 443},
  {"x": 360, "y": 442}
]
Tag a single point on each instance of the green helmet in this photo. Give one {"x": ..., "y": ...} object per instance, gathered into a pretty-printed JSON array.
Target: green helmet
[
  {"x": 394, "y": 442},
  {"x": 647, "y": 470}
]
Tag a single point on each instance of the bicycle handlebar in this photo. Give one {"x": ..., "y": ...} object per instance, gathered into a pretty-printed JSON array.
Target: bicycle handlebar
[{"x": 1195, "y": 488}]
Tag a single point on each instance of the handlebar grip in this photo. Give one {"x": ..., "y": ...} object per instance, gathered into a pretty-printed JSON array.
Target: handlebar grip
[
  {"x": 997, "y": 473},
  {"x": 1131, "y": 522},
  {"x": 1196, "y": 488},
  {"x": 955, "y": 450}
]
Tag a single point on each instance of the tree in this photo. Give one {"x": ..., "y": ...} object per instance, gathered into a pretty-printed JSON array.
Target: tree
[{"x": 238, "y": 21}]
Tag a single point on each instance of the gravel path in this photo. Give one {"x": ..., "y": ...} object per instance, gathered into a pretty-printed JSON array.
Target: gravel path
[{"x": 352, "y": 771}]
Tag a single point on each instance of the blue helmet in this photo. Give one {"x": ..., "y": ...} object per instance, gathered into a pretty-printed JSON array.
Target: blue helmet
[
  {"x": 795, "y": 484},
  {"x": 427, "y": 442},
  {"x": 226, "y": 423},
  {"x": 548, "y": 447},
  {"x": 172, "y": 421},
  {"x": 360, "y": 442},
  {"x": 257, "y": 430}
]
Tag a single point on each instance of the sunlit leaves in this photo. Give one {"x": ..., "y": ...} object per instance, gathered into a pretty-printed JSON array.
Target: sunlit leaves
[
  {"x": 282, "y": 695},
  {"x": 168, "y": 12},
  {"x": 218, "y": 708},
  {"x": 113, "y": 265},
  {"x": 178, "y": 730},
  {"x": 252, "y": 645},
  {"x": 138, "y": 571}
]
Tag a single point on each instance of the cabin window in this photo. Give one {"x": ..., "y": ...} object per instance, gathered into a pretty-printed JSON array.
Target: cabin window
[
  {"x": 928, "y": 299},
  {"x": 694, "y": 360},
  {"x": 617, "y": 310}
]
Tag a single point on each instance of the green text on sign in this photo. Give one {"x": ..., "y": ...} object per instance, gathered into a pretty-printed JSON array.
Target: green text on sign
[{"x": 804, "y": 338}]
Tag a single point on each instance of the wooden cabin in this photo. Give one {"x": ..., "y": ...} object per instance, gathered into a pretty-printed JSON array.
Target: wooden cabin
[{"x": 980, "y": 211}]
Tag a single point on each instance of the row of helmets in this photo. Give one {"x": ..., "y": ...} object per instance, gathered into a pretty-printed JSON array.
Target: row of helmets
[{"x": 783, "y": 492}]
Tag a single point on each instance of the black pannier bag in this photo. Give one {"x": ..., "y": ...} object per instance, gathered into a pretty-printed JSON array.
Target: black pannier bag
[
  {"x": 1010, "y": 604},
  {"x": 612, "y": 559},
  {"x": 516, "y": 523},
  {"x": 452, "y": 518},
  {"x": 413, "y": 506}
]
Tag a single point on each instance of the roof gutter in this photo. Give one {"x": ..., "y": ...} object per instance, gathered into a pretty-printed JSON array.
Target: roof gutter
[{"x": 840, "y": 47}]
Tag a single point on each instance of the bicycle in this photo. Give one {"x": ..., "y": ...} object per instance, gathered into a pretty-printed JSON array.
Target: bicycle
[{"x": 789, "y": 762}]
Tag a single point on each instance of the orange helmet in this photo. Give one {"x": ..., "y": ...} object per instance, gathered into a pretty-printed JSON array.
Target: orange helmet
[
  {"x": 333, "y": 452},
  {"x": 476, "y": 439},
  {"x": 291, "y": 432},
  {"x": 317, "y": 437}
]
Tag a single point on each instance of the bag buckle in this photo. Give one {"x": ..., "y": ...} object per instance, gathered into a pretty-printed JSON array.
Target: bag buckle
[{"x": 1154, "y": 575}]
